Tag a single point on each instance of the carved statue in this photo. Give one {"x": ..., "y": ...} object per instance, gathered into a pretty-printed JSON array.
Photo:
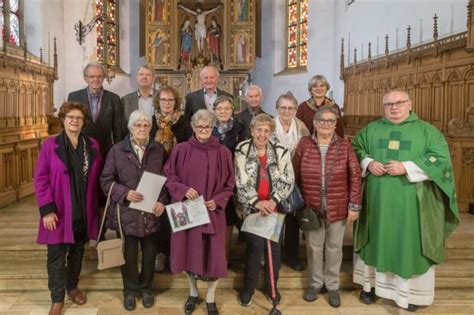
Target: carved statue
[
  {"x": 158, "y": 10},
  {"x": 213, "y": 39},
  {"x": 186, "y": 41},
  {"x": 243, "y": 10},
  {"x": 200, "y": 31}
]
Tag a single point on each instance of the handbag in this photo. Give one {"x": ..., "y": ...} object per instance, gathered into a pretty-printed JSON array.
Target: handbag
[
  {"x": 308, "y": 220},
  {"x": 110, "y": 252},
  {"x": 293, "y": 202}
]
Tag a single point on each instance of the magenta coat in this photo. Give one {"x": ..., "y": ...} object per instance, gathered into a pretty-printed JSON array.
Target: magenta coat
[
  {"x": 53, "y": 194},
  {"x": 206, "y": 167}
]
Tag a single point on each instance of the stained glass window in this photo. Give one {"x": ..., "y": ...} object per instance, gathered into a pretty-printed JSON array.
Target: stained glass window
[
  {"x": 297, "y": 33},
  {"x": 11, "y": 21},
  {"x": 107, "y": 32}
]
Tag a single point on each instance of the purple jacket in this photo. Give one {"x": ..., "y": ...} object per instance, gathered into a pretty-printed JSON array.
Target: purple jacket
[
  {"x": 207, "y": 167},
  {"x": 53, "y": 190}
]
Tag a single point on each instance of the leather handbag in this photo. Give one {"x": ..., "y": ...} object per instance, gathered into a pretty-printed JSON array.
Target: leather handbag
[
  {"x": 308, "y": 220},
  {"x": 110, "y": 252},
  {"x": 293, "y": 202}
]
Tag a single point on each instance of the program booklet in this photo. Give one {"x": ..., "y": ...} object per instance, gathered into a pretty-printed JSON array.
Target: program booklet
[{"x": 188, "y": 214}]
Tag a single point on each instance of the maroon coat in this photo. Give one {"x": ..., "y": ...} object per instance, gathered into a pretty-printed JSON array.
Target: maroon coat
[
  {"x": 206, "y": 167},
  {"x": 306, "y": 114},
  {"x": 123, "y": 167},
  {"x": 344, "y": 186}
]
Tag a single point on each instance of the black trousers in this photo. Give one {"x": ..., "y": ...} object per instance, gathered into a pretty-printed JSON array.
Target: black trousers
[
  {"x": 292, "y": 237},
  {"x": 135, "y": 282},
  {"x": 256, "y": 246},
  {"x": 164, "y": 237},
  {"x": 64, "y": 266}
]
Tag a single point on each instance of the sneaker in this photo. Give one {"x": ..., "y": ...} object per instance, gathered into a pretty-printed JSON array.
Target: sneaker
[
  {"x": 245, "y": 298},
  {"x": 277, "y": 297},
  {"x": 411, "y": 308},
  {"x": 160, "y": 262},
  {"x": 333, "y": 298},
  {"x": 311, "y": 294}
]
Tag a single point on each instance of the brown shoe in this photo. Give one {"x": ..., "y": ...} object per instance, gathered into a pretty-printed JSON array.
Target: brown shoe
[
  {"x": 77, "y": 296},
  {"x": 56, "y": 308}
]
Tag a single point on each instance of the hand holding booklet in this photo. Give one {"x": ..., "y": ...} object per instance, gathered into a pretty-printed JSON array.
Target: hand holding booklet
[
  {"x": 188, "y": 214},
  {"x": 150, "y": 186},
  {"x": 268, "y": 227}
]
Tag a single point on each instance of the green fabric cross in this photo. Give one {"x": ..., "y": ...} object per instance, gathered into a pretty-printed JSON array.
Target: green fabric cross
[
  {"x": 447, "y": 174},
  {"x": 432, "y": 160},
  {"x": 393, "y": 145}
]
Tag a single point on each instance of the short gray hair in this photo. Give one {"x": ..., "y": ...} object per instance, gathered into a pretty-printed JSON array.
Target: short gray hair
[
  {"x": 287, "y": 96},
  {"x": 318, "y": 78},
  {"x": 203, "y": 115},
  {"x": 147, "y": 67},
  {"x": 263, "y": 119},
  {"x": 253, "y": 87},
  {"x": 208, "y": 68},
  {"x": 93, "y": 65},
  {"x": 138, "y": 115},
  {"x": 325, "y": 109}
]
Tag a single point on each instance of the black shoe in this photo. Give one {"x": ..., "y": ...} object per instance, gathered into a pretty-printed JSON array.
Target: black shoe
[
  {"x": 277, "y": 297},
  {"x": 296, "y": 264},
  {"x": 148, "y": 299},
  {"x": 367, "y": 297},
  {"x": 190, "y": 304},
  {"x": 129, "y": 302},
  {"x": 333, "y": 298},
  {"x": 245, "y": 298},
  {"x": 212, "y": 309},
  {"x": 411, "y": 308}
]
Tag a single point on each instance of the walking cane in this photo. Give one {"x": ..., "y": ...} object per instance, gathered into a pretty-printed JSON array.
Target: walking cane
[{"x": 274, "y": 310}]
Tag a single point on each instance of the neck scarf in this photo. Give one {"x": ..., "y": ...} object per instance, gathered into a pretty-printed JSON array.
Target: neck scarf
[
  {"x": 139, "y": 148},
  {"x": 288, "y": 139},
  {"x": 165, "y": 135}
]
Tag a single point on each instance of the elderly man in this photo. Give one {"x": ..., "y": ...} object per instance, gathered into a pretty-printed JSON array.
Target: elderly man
[
  {"x": 105, "y": 121},
  {"x": 203, "y": 98},
  {"x": 409, "y": 208},
  {"x": 143, "y": 98},
  {"x": 254, "y": 98}
]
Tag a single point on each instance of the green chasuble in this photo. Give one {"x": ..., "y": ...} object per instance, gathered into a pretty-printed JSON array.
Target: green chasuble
[{"x": 403, "y": 226}]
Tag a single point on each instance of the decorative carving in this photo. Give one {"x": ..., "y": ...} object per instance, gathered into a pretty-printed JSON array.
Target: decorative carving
[
  {"x": 468, "y": 157},
  {"x": 463, "y": 127}
]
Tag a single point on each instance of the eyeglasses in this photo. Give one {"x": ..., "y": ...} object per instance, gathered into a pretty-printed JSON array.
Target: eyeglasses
[
  {"x": 264, "y": 131},
  {"x": 396, "y": 104},
  {"x": 78, "y": 118},
  {"x": 202, "y": 128},
  {"x": 223, "y": 109},
  {"x": 140, "y": 126},
  {"x": 167, "y": 100},
  {"x": 328, "y": 122},
  {"x": 287, "y": 109}
]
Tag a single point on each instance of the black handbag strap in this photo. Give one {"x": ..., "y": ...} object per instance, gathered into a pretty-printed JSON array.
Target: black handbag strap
[{"x": 105, "y": 214}]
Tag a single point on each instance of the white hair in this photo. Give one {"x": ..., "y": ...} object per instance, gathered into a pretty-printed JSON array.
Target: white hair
[{"x": 138, "y": 115}]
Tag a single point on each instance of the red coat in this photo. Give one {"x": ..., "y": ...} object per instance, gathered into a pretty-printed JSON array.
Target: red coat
[{"x": 344, "y": 185}]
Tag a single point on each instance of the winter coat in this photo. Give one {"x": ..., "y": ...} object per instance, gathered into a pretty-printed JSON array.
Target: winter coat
[
  {"x": 343, "y": 186},
  {"x": 123, "y": 167}
]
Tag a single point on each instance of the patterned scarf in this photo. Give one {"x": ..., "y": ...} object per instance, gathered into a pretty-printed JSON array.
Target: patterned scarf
[
  {"x": 165, "y": 135},
  {"x": 313, "y": 106},
  {"x": 223, "y": 128},
  {"x": 139, "y": 148}
]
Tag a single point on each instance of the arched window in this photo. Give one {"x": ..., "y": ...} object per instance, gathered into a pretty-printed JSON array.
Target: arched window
[
  {"x": 11, "y": 21},
  {"x": 297, "y": 34},
  {"x": 107, "y": 32}
]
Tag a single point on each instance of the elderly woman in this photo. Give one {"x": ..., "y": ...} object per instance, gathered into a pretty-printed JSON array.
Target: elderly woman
[
  {"x": 264, "y": 177},
  {"x": 318, "y": 86},
  {"x": 66, "y": 186},
  {"x": 327, "y": 170},
  {"x": 168, "y": 128},
  {"x": 230, "y": 132},
  {"x": 201, "y": 167},
  {"x": 124, "y": 166},
  {"x": 288, "y": 132}
]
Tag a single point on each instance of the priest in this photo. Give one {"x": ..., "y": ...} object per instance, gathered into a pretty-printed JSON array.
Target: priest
[{"x": 409, "y": 206}]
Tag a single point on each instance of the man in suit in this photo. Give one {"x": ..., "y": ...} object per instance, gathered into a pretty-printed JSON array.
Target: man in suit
[
  {"x": 143, "y": 98},
  {"x": 203, "y": 98},
  {"x": 254, "y": 98},
  {"x": 105, "y": 119}
]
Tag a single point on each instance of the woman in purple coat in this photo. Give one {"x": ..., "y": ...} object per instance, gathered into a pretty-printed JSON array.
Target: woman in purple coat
[
  {"x": 66, "y": 179},
  {"x": 201, "y": 166}
]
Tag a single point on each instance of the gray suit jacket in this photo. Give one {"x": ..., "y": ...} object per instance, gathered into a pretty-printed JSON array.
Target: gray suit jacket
[{"x": 130, "y": 103}]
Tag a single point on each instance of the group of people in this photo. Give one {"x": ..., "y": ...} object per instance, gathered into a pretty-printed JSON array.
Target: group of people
[{"x": 241, "y": 164}]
